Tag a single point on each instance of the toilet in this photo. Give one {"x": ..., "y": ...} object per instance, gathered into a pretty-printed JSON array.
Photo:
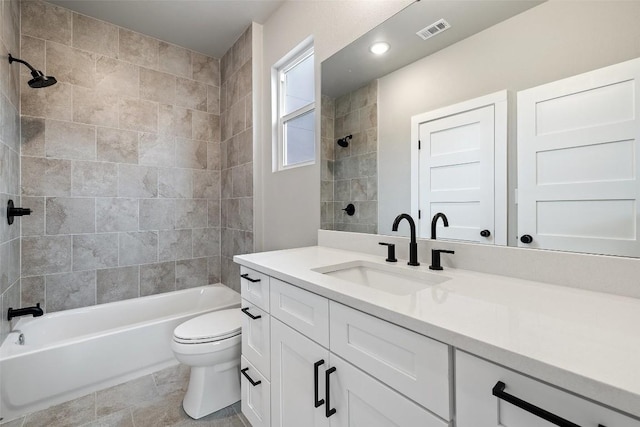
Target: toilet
[{"x": 210, "y": 344}]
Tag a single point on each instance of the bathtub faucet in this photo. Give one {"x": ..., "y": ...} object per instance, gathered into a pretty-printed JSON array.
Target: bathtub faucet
[{"x": 35, "y": 311}]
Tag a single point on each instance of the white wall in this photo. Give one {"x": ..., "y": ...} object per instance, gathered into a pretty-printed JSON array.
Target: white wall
[
  {"x": 287, "y": 205},
  {"x": 554, "y": 40}
]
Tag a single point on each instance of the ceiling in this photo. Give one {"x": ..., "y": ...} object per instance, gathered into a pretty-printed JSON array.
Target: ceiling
[
  {"x": 354, "y": 66},
  {"x": 206, "y": 26}
]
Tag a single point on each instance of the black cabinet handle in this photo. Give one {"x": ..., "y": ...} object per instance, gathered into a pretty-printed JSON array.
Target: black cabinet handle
[
  {"x": 498, "y": 391},
  {"x": 246, "y": 311},
  {"x": 328, "y": 409},
  {"x": 485, "y": 233},
  {"x": 316, "y": 365},
  {"x": 246, "y": 276},
  {"x": 253, "y": 383},
  {"x": 526, "y": 238}
]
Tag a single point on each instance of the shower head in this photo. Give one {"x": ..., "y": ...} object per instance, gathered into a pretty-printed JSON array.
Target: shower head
[
  {"x": 344, "y": 142},
  {"x": 39, "y": 79}
]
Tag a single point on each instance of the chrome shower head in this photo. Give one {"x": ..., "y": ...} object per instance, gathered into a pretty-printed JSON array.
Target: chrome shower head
[{"x": 39, "y": 79}]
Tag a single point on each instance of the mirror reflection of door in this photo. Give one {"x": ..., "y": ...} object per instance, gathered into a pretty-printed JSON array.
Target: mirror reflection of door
[
  {"x": 578, "y": 158},
  {"x": 460, "y": 170}
]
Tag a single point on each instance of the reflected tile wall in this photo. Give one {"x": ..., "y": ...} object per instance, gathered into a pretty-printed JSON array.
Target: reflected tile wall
[
  {"x": 120, "y": 162},
  {"x": 10, "y": 124},
  {"x": 349, "y": 174},
  {"x": 235, "y": 156}
]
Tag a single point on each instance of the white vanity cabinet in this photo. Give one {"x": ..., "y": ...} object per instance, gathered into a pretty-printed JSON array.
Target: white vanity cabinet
[
  {"x": 477, "y": 406},
  {"x": 378, "y": 374}
]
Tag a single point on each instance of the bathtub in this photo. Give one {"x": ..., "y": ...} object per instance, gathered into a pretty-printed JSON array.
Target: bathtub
[{"x": 75, "y": 352}]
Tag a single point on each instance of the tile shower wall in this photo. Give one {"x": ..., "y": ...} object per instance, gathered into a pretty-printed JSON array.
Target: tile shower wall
[
  {"x": 354, "y": 169},
  {"x": 236, "y": 157},
  {"x": 120, "y": 163},
  {"x": 9, "y": 159}
]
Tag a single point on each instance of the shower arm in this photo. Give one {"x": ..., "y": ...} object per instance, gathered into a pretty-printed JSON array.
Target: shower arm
[{"x": 12, "y": 59}]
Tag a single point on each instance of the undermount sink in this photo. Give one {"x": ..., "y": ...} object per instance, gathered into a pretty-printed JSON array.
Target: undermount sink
[{"x": 387, "y": 278}]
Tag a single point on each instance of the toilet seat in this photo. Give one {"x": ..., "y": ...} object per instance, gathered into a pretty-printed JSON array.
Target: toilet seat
[{"x": 210, "y": 327}]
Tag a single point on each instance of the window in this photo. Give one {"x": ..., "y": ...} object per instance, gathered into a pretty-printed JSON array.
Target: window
[{"x": 296, "y": 111}]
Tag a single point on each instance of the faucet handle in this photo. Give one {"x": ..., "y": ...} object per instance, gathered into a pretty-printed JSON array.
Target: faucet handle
[
  {"x": 435, "y": 258},
  {"x": 391, "y": 252}
]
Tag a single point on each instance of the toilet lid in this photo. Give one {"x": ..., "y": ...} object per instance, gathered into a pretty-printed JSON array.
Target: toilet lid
[{"x": 213, "y": 326}]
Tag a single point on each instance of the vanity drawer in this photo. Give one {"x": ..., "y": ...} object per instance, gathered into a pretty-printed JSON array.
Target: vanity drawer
[
  {"x": 256, "y": 399},
  {"x": 413, "y": 364},
  {"x": 304, "y": 311},
  {"x": 256, "y": 332},
  {"x": 254, "y": 287},
  {"x": 476, "y": 406}
]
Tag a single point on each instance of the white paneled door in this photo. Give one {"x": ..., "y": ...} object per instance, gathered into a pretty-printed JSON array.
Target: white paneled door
[
  {"x": 578, "y": 156},
  {"x": 461, "y": 170}
]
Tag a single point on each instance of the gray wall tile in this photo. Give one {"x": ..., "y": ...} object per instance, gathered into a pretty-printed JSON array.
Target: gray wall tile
[
  {"x": 114, "y": 77},
  {"x": 46, "y": 177},
  {"x": 138, "y": 248},
  {"x": 191, "y": 94},
  {"x": 206, "y": 242},
  {"x": 68, "y": 140},
  {"x": 191, "y": 214},
  {"x": 157, "y": 86},
  {"x": 94, "y": 251},
  {"x": 192, "y": 273},
  {"x": 138, "y": 114},
  {"x": 46, "y": 255},
  {"x": 95, "y": 36},
  {"x": 74, "y": 66},
  {"x": 32, "y": 140},
  {"x": 32, "y": 291},
  {"x": 118, "y": 146},
  {"x": 116, "y": 214},
  {"x": 206, "y": 69},
  {"x": 33, "y": 225},
  {"x": 117, "y": 284},
  {"x": 157, "y": 150},
  {"x": 175, "y": 244},
  {"x": 175, "y": 183},
  {"x": 157, "y": 278},
  {"x": 206, "y": 185},
  {"x": 137, "y": 181},
  {"x": 94, "y": 179},
  {"x": 66, "y": 215},
  {"x": 174, "y": 59},
  {"x": 94, "y": 107},
  {"x": 138, "y": 49},
  {"x": 53, "y": 103},
  {"x": 157, "y": 214},
  {"x": 191, "y": 154},
  {"x": 46, "y": 21},
  {"x": 70, "y": 290}
]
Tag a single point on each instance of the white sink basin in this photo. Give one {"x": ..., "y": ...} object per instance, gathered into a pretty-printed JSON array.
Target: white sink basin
[{"x": 387, "y": 278}]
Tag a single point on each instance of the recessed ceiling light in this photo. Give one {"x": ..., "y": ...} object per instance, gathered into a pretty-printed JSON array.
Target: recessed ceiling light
[{"x": 379, "y": 48}]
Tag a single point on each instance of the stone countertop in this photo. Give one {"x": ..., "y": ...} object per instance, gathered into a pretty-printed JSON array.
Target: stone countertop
[{"x": 582, "y": 341}]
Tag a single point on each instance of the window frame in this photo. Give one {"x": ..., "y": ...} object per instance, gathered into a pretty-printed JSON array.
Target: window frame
[{"x": 296, "y": 58}]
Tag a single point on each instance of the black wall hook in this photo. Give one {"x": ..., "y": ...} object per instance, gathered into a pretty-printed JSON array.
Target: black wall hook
[{"x": 13, "y": 211}]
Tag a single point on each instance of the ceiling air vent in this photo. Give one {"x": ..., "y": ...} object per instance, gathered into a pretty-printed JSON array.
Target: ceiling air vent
[{"x": 433, "y": 29}]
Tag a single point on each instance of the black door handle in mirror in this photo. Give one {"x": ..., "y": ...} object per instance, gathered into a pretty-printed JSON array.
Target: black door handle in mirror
[
  {"x": 246, "y": 311},
  {"x": 485, "y": 233},
  {"x": 328, "y": 410},
  {"x": 317, "y": 402},
  {"x": 526, "y": 238},
  {"x": 246, "y": 276},
  {"x": 253, "y": 383},
  {"x": 498, "y": 391}
]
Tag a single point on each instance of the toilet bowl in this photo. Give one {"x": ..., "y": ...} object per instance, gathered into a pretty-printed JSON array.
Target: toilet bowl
[{"x": 210, "y": 345}]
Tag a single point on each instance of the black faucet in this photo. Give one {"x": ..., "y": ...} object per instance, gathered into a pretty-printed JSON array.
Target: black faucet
[
  {"x": 435, "y": 258},
  {"x": 413, "y": 245},
  {"x": 35, "y": 311},
  {"x": 435, "y": 220}
]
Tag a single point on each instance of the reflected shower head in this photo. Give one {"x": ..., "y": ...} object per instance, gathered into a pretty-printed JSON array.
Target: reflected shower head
[
  {"x": 344, "y": 142},
  {"x": 39, "y": 79}
]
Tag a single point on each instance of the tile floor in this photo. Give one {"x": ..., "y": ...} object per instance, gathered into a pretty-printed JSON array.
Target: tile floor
[{"x": 151, "y": 401}]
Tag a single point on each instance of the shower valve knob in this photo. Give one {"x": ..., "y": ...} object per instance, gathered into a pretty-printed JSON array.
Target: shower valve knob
[{"x": 13, "y": 212}]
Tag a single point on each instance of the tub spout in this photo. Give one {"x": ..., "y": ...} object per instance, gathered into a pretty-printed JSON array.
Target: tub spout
[{"x": 35, "y": 311}]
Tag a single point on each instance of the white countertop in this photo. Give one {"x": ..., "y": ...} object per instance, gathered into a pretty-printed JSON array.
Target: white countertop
[{"x": 582, "y": 341}]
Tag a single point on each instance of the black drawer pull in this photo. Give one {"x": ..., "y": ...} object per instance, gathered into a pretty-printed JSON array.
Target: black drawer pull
[
  {"x": 498, "y": 391},
  {"x": 246, "y": 311},
  {"x": 253, "y": 383},
  {"x": 316, "y": 365},
  {"x": 328, "y": 410},
  {"x": 246, "y": 276}
]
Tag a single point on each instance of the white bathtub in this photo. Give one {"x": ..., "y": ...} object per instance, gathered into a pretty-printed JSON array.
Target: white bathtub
[{"x": 75, "y": 352}]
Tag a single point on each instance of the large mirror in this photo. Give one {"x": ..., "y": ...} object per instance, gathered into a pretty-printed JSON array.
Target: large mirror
[{"x": 481, "y": 48}]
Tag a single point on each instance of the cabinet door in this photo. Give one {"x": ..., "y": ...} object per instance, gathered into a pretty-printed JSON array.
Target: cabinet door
[
  {"x": 255, "y": 395},
  {"x": 294, "y": 389},
  {"x": 255, "y": 337},
  {"x": 476, "y": 406},
  {"x": 362, "y": 401}
]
